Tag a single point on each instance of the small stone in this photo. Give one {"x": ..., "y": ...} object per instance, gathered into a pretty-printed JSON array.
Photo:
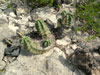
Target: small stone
[
  {"x": 13, "y": 27},
  {"x": 74, "y": 46},
  {"x": 79, "y": 32},
  {"x": 20, "y": 10},
  {"x": 31, "y": 24},
  {"x": 96, "y": 55},
  {"x": 85, "y": 34},
  {"x": 69, "y": 51},
  {"x": 12, "y": 51},
  {"x": 62, "y": 42},
  {"x": 73, "y": 40},
  {"x": 15, "y": 53},
  {"x": 50, "y": 23},
  {"x": 12, "y": 14},
  {"x": 24, "y": 19}
]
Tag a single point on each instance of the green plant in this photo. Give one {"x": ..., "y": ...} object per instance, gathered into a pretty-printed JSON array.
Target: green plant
[
  {"x": 40, "y": 3},
  {"x": 1, "y": 70},
  {"x": 66, "y": 19},
  {"x": 46, "y": 43},
  {"x": 11, "y": 6},
  {"x": 42, "y": 29},
  {"x": 28, "y": 44},
  {"x": 89, "y": 12}
]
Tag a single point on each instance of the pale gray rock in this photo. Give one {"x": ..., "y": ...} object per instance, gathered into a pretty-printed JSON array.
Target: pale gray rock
[
  {"x": 3, "y": 19},
  {"x": 12, "y": 51},
  {"x": 5, "y": 32},
  {"x": 12, "y": 27},
  {"x": 45, "y": 13},
  {"x": 69, "y": 51},
  {"x": 2, "y": 48},
  {"x": 30, "y": 24},
  {"x": 50, "y": 63},
  {"x": 64, "y": 42},
  {"x": 73, "y": 46},
  {"x": 50, "y": 24},
  {"x": 12, "y": 14}
]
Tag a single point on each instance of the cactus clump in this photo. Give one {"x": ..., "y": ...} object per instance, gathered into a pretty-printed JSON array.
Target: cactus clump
[
  {"x": 30, "y": 45},
  {"x": 42, "y": 29},
  {"x": 46, "y": 43},
  {"x": 66, "y": 19}
]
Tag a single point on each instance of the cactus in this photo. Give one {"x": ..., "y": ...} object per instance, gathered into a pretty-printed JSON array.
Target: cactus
[
  {"x": 46, "y": 43},
  {"x": 42, "y": 29},
  {"x": 30, "y": 45},
  {"x": 66, "y": 19}
]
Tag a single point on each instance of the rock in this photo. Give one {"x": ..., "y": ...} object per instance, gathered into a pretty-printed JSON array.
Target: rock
[
  {"x": 50, "y": 24},
  {"x": 12, "y": 14},
  {"x": 45, "y": 13},
  {"x": 5, "y": 32},
  {"x": 69, "y": 51},
  {"x": 20, "y": 11},
  {"x": 61, "y": 42},
  {"x": 79, "y": 32},
  {"x": 15, "y": 53},
  {"x": 24, "y": 19},
  {"x": 73, "y": 40},
  {"x": 50, "y": 63},
  {"x": 95, "y": 72},
  {"x": 31, "y": 24},
  {"x": 2, "y": 63},
  {"x": 12, "y": 27},
  {"x": 12, "y": 51},
  {"x": 65, "y": 41},
  {"x": 74, "y": 46},
  {"x": 3, "y": 19}
]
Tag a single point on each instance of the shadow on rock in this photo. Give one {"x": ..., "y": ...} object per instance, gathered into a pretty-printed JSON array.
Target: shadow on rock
[{"x": 69, "y": 65}]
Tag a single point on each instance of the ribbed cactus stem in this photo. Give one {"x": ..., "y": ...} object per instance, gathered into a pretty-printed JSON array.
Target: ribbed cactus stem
[{"x": 42, "y": 28}]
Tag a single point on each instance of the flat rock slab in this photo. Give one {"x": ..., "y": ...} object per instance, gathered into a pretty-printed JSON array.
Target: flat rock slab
[{"x": 50, "y": 63}]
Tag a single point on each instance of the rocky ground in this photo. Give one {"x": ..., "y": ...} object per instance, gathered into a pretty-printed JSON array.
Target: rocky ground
[{"x": 72, "y": 54}]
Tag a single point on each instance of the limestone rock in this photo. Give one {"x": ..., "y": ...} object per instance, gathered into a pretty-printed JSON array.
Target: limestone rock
[
  {"x": 65, "y": 41},
  {"x": 74, "y": 46},
  {"x": 2, "y": 48},
  {"x": 12, "y": 14},
  {"x": 3, "y": 19},
  {"x": 51, "y": 63}
]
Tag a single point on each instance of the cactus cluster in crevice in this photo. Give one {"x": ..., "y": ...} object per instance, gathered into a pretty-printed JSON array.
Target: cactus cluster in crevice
[
  {"x": 66, "y": 20},
  {"x": 44, "y": 31},
  {"x": 42, "y": 28}
]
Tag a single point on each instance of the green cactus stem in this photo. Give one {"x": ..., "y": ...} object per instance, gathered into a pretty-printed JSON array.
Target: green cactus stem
[{"x": 42, "y": 29}]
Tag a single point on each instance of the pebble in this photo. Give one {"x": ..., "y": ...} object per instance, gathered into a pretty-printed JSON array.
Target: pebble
[
  {"x": 12, "y": 14},
  {"x": 74, "y": 46}
]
